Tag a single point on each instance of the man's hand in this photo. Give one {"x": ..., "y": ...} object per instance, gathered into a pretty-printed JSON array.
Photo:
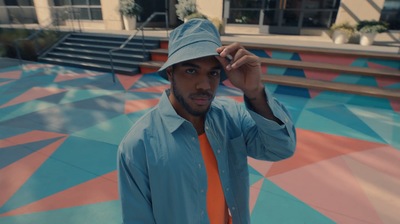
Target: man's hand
[{"x": 242, "y": 68}]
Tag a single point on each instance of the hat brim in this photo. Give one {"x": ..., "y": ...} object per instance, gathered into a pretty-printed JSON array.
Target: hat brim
[{"x": 192, "y": 51}]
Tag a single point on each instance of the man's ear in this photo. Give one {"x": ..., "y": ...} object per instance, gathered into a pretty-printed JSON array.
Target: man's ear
[{"x": 169, "y": 73}]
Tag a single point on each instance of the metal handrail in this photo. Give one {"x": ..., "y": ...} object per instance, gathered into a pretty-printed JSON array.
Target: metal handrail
[
  {"x": 30, "y": 37},
  {"x": 133, "y": 35},
  {"x": 35, "y": 34}
]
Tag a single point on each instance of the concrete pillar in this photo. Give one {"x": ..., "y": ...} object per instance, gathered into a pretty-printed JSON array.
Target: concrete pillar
[
  {"x": 353, "y": 11},
  {"x": 43, "y": 11},
  {"x": 3, "y": 13},
  {"x": 111, "y": 17},
  {"x": 211, "y": 10}
]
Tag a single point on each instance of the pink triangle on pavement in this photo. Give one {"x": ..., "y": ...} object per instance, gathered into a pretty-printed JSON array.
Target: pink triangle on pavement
[
  {"x": 331, "y": 188},
  {"x": 254, "y": 192},
  {"x": 313, "y": 147},
  {"x": 152, "y": 89},
  {"x": 16, "y": 174},
  {"x": 137, "y": 105},
  {"x": 100, "y": 189},
  {"x": 128, "y": 81},
  {"x": 5, "y": 83},
  {"x": 11, "y": 74},
  {"x": 71, "y": 76},
  {"x": 314, "y": 93},
  {"x": 383, "y": 190},
  {"x": 33, "y": 94},
  {"x": 236, "y": 98},
  {"x": 342, "y": 60},
  {"x": 261, "y": 166},
  {"x": 32, "y": 136},
  {"x": 395, "y": 105},
  {"x": 318, "y": 75}
]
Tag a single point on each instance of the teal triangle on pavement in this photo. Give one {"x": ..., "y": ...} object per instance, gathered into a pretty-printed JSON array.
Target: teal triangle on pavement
[
  {"x": 78, "y": 95},
  {"x": 23, "y": 109},
  {"x": 76, "y": 161},
  {"x": 344, "y": 116},
  {"x": 99, "y": 213},
  {"x": 111, "y": 131},
  {"x": 274, "y": 205}
]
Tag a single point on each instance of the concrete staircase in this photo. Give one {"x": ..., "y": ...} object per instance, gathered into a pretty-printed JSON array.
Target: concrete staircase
[
  {"x": 91, "y": 51},
  {"x": 334, "y": 70}
]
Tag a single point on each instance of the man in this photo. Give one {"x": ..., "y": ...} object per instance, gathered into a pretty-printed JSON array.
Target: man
[{"x": 186, "y": 160}]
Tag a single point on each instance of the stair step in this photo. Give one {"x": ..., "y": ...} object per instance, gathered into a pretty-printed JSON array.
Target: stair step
[
  {"x": 129, "y": 56},
  {"x": 117, "y": 37},
  {"x": 101, "y": 60},
  {"x": 100, "y": 47},
  {"x": 319, "y": 66},
  {"x": 112, "y": 43},
  {"x": 332, "y": 86},
  {"x": 92, "y": 66},
  {"x": 319, "y": 51}
]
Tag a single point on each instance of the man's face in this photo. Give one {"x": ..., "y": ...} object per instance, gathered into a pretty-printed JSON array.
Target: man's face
[{"x": 193, "y": 85}]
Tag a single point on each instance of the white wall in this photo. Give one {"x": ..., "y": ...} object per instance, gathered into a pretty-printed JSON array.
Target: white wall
[{"x": 355, "y": 10}]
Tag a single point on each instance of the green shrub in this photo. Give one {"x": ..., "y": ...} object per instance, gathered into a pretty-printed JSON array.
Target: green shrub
[
  {"x": 344, "y": 27},
  {"x": 29, "y": 49},
  {"x": 129, "y": 8},
  {"x": 372, "y": 26},
  {"x": 185, "y": 8}
]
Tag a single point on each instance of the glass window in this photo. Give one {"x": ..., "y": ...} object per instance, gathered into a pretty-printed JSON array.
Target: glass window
[
  {"x": 391, "y": 14},
  {"x": 96, "y": 14},
  {"x": 18, "y": 2},
  {"x": 244, "y": 16},
  {"x": 94, "y": 2},
  {"x": 60, "y": 2},
  {"x": 79, "y": 2},
  {"x": 83, "y": 13},
  {"x": 317, "y": 19}
]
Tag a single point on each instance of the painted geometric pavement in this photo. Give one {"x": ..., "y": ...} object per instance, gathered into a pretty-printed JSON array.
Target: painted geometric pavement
[{"x": 60, "y": 127}]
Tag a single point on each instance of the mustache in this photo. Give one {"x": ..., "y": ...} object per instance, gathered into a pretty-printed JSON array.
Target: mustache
[{"x": 202, "y": 94}]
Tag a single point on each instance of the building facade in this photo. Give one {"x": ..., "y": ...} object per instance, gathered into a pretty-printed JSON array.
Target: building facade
[{"x": 266, "y": 16}]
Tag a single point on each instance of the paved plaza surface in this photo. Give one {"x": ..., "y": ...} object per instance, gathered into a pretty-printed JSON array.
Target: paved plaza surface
[{"x": 60, "y": 128}]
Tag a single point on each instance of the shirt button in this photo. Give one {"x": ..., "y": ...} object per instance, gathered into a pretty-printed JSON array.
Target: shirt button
[
  {"x": 202, "y": 191},
  {"x": 206, "y": 127},
  {"x": 227, "y": 189},
  {"x": 218, "y": 151},
  {"x": 223, "y": 171},
  {"x": 199, "y": 165},
  {"x": 233, "y": 208},
  {"x": 193, "y": 138}
]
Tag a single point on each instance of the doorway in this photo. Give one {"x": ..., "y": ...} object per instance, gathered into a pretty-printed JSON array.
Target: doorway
[{"x": 282, "y": 17}]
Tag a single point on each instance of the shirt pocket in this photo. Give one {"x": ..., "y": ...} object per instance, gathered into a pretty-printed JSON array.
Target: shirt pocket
[{"x": 237, "y": 156}]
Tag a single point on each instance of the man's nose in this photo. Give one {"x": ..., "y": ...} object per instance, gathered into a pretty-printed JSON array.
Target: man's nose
[{"x": 203, "y": 82}]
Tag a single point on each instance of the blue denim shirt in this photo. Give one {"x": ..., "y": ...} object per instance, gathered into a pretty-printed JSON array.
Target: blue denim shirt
[{"x": 162, "y": 177}]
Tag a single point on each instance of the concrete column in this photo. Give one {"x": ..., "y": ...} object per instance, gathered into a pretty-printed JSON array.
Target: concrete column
[
  {"x": 111, "y": 17},
  {"x": 43, "y": 11},
  {"x": 353, "y": 11},
  {"x": 3, "y": 13},
  {"x": 211, "y": 10}
]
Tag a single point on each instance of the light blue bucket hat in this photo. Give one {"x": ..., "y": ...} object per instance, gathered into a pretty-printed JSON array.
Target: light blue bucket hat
[{"x": 196, "y": 38}]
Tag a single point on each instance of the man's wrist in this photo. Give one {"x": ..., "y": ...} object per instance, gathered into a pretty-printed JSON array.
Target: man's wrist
[{"x": 255, "y": 93}]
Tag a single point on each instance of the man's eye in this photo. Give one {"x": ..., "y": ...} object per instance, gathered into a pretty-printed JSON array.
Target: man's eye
[
  {"x": 190, "y": 71},
  {"x": 215, "y": 73}
]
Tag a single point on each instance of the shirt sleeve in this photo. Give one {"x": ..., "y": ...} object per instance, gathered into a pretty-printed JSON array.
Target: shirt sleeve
[
  {"x": 133, "y": 186},
  {"x": 265, "y": 138}
]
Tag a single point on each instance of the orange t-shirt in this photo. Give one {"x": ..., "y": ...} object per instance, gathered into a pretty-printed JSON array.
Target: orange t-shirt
[{"x": 216, "y": 205}]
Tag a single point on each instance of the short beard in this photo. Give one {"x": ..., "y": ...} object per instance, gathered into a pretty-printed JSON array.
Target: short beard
[{"x": 178, "y": 96}]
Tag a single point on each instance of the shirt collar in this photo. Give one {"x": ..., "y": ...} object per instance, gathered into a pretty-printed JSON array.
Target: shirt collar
[{"x": 168, "y": 114}]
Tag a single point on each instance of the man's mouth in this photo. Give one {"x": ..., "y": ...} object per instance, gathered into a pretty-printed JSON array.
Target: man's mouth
[{"x": 201, "y": 99}]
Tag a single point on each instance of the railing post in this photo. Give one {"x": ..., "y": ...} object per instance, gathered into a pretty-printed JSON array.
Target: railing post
[
  {"x": 16, "y": 45},
  {"x": 112, "y": 65}
]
